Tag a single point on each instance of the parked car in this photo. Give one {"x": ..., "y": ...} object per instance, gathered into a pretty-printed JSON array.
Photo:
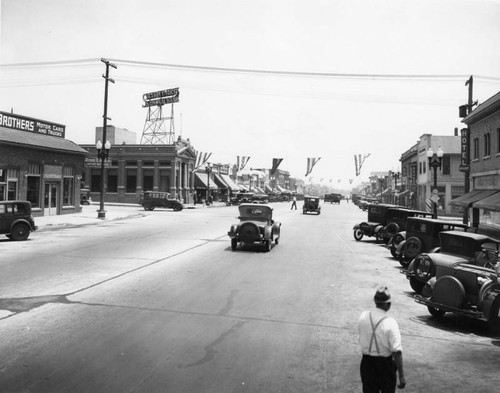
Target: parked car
[
  {"x": 377, "y": 219},
  {"x": 256, "y": 225},
  {"x": 421, "y": 235},
  {"x": 260, "y": 198},
  {"x": 152, "y": 199},
  {"x": 469, "y": 290},
  {"x": 311, "y": 204},
  {"x": 397, "y": 218},
  {"x": 364, "y": 202},
  {"x": 333, "y": 198},
  {"x": 457, "y": 248},
  {"x": 85, "y": 198},
  {"x": 16, "y": 220}
]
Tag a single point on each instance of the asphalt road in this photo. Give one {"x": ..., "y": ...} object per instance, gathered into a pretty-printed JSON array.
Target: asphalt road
[{"x": 160, "y": 303}]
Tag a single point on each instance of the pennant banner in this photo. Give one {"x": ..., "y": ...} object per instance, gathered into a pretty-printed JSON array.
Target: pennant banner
[
  {"x": 276, "y": 164},
  {"x": 358, "y": 162},
  {"x": 310, "y": 164},
  {"x": 241, "y": 161},
  {"x": 201, "y": 159}
]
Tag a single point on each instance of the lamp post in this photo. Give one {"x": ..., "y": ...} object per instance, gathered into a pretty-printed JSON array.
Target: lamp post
[
  {"x": 435, "y": 160},
  {"x": 102, "y": 154},
  {"x": 208, "y": 170},
  {"x": 380, "y": 181}
]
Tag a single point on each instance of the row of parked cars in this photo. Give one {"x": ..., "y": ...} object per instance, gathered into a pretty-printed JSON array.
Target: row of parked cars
[{"x": 450, "y": 266}]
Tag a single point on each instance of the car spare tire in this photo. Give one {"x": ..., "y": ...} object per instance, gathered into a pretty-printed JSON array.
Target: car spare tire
[
  {"x": 412, "y": 247},
  {"x": 249, "y": 232}
]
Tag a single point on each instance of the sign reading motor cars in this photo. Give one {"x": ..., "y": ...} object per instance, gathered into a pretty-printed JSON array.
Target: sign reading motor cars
[
  {"x": 23, "y": 123},
  {"x": 94, "y": 162},
  {"x": 162, "y": 97}
]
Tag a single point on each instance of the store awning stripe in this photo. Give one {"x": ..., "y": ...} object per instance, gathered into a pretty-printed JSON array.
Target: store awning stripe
[
  {"x": 468, "y": 199},
  {"x": 201, "y": 181},
  {"x": 232, "y": 185},
  {"x": 492, "y": 202}
]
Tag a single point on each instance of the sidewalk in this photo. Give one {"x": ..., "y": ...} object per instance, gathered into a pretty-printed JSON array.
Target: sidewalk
[{"x": 88, "y": 215}]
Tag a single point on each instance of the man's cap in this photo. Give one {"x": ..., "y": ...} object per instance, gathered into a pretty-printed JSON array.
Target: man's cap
[{"x": 382, "y": 295}]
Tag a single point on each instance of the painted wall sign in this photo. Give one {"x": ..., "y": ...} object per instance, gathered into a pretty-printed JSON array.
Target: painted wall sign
[
  {"x": 23, "y": 123},
  {"x": 162, "y": 97}
]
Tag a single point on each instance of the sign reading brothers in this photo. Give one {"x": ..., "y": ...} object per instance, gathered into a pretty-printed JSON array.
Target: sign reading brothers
[{"x": 23, "y": 123}]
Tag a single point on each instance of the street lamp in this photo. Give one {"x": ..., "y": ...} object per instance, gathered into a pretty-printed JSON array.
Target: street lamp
[
  {"x": 102, "y": 154},
  {"x": 435, "y": 160},
  {"x": 380, "y": 181},
  {"x": 208, "y": 170}
]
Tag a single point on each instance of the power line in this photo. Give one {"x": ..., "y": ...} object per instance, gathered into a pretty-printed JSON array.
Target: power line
[{"x": 309, "y": 74}]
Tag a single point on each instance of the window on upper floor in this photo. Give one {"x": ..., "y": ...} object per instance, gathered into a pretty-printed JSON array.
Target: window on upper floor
[
  {"x": 487, "y": 144},
  {"x": 446, "y": 165},
  {"x": 475, "y": 148}
]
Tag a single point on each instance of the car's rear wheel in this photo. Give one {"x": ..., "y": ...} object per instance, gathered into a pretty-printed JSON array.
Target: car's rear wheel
[
  {"x": 358, "y": 234},
  {"x": 277, "y": 240},
  {"x": 148, "y": 207},
  {"x": 20, "y": 232},
  {"x": 177, "y": 207},
  {"x": 268, "y": 246},
  {"x": 234, "y": 244},
  {"x": 435, "y": 312}
]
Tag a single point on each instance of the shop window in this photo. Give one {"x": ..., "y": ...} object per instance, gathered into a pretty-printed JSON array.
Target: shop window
[
  {"x": 446, "y": 166},
  {"x": 131, "y": 184},
  {"x": 112, "y": 185},
  {"x": 33, "y": 191},
  {"x": 12, "y": 190},
  {"x": 147, "y": 180},
  {"x": 95, "y": 180},
  {"x": 68, "y": 191}
]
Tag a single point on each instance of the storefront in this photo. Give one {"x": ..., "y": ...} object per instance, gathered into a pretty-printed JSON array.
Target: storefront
[{"x": 39, "y": 165}]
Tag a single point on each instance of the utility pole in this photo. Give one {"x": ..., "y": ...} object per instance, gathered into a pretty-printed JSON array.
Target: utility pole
[{"x": 103, "y": 153}]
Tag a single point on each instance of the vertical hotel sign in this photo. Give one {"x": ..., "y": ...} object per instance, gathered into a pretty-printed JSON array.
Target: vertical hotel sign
[
  {"x": 464, "y": 150},
  {"x": 23, "y": 123}
]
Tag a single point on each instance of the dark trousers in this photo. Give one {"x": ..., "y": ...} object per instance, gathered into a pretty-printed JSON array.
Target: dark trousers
[
  {"x": 378, "y": 374},
  {"x": 294, "y": 205}
]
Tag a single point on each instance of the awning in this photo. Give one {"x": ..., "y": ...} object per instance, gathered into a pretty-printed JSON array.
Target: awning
[
  {"x": 232, "y": 185},
  {"x": 468, "y": 199},
  {"x": 220, "y": 181},
  {"x": 259, "y": 190},
  {"x": 268, "y": 188},
  {"x": 387, "y": 191},
  {"x": 404, "y": 194},
  {"x": 492, "y": 202},
  {"x": 201, "y": 181},
  {"x": 280, "y": 189},
  {"x": 243, "y": 188}
]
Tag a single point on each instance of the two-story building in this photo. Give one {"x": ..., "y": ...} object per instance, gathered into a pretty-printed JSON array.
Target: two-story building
[{"x": 483, "y": 200}]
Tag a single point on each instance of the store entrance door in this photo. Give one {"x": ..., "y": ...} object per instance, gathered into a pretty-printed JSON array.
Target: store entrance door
[{"x": 51, "y": 199}]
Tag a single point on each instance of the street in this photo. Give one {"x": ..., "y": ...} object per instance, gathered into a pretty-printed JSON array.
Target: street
[{"x": 158, "y": 302}]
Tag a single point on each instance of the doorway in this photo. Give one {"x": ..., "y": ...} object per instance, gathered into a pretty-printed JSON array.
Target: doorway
[{"x": 51, "y": 199}]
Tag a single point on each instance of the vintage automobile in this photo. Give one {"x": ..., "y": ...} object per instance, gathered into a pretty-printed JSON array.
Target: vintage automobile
[
  {"x": 397, "y": 218},
  {"x": 259, "y": 198},
  {"x": 311, "y": 204},
  {"x": 16, "y": 220},
  {"x": 152, "y": 199},
  {"x": 377, "y": 219},
  {"x": 256, "y": 226},
  {"x": 85, "y": 198},
  {"x": 421, "y": 235},
  {"x": 364, "y": 202},
  {"x": 333, "y": 198},
  {"x": 457, "y": 248},
  {"x": 465, "y": 289}
]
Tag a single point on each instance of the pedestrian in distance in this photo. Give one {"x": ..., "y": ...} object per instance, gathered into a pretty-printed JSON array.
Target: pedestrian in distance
[
  {"x": 294, "y": 203},
  {"x": 380, "y": 341}
]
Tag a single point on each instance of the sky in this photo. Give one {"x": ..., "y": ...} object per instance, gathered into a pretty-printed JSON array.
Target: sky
[{"x": 260, "y": 78}]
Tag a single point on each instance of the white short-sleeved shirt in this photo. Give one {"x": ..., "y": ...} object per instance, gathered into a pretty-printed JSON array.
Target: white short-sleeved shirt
[{"x": 387, "y": 334}]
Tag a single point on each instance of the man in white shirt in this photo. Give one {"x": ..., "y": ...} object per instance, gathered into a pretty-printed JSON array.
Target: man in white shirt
[{"x": 380, "y": 341}]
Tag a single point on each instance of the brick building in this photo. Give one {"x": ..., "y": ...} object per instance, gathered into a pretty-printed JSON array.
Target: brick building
[
  {"x": 39, "y": 165},
  {"x": 483, "y": 201}
]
